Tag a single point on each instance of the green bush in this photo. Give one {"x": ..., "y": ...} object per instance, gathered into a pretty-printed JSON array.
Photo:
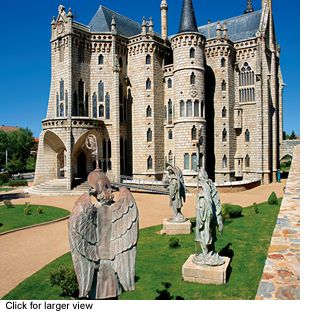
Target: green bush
[
  {"x": 4, "y": 178},
  {"x": 255, "y": 208},
  {"x": 66, "y": 279},
  {"x": 40, "y": 210},
  {"x": 273, "y": 200},
  {"x": 8, "y": 203},
  {"x": 14, "y": 183},
  {"x": 174, "y": 242},
  {"x": 231, "y": 211}
]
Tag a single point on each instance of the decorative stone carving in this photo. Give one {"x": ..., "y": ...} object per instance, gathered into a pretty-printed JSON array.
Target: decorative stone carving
[{"x": 103, "y": 239}]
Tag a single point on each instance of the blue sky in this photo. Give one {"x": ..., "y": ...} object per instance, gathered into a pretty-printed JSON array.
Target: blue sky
[{"x": 25, "y": 48}]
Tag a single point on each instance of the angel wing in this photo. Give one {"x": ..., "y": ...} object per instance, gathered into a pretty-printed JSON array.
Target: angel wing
[
  {"x": 182, "y": 187},
  {"x": 124, "y": 238},
  {"x": 83, "y": 242}
]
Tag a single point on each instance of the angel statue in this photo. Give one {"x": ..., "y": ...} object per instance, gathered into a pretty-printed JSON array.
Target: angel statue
[
  {"x": 103, "y": 240},
  {"x": 209, "y": 217},
  {"x": 174, "y": 182}
]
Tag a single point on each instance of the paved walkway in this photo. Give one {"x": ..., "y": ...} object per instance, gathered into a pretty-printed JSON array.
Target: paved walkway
[
  {"x": 281, "y": 275},
  {"x": 25, "y": 252}
]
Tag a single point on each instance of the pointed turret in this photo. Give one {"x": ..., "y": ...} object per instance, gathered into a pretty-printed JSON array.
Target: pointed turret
[
  {"x": 188, "y": 19},
  {"x": 249, "y": 8}
]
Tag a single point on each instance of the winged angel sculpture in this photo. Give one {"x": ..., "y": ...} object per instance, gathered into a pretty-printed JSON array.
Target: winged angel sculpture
[
  {"x": 174, "y": 182},
  {"x": 103, "y": 239}
]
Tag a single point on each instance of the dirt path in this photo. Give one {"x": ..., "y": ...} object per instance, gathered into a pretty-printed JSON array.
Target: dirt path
[{"x": 25, "y": 252}]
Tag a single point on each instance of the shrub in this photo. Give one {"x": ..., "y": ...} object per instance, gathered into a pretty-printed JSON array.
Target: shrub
[
  {"x": 4, "y": 178},
  {"x": 174, "y": 242},
  {"x": 255, "y": 208},
  {"x": 27, "y": 210},
  {"x": 40, "y": 210},
  {"x": 8, "y": 203},
  {"x": 14, "y": 183},
  {"x": 66, "y": 279},
  {"x": 273, "y": 200},
  {"x": 231, "y": 211}
]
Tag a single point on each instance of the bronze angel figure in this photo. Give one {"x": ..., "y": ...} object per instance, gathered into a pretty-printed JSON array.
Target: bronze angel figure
[{"x": 103, "y": 239}]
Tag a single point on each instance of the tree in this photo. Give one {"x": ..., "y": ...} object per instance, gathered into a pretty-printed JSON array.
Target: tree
[
  {"x": 15, "y": 165},
  {"x": 31, "y": 164},
  {"x": 19, "y": 144},
  {"x": 292, "y": 136}
]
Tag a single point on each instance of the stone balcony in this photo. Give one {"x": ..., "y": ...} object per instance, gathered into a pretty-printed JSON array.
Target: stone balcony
[{"x": 74, "y": 122}]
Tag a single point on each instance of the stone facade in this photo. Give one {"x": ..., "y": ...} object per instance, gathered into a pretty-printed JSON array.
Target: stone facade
[{"x": 146, "y": 96}]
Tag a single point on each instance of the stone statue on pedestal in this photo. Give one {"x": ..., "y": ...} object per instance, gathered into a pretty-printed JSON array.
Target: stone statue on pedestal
[
  {"x": 209, "y": 218},
  {"x": 174, "y": 182},
  {"x": 103, "y": 239}
]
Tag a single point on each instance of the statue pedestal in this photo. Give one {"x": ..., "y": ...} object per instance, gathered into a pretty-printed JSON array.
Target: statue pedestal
[
  {"x": 216, "y": 275},
  {"x": 172, "y": 228}
]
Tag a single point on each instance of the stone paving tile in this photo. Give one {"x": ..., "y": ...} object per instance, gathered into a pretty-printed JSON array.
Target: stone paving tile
[{"x": 281, "y": 275}]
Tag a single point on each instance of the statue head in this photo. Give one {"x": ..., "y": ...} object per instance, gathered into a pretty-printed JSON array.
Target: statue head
[{"x": 100, "y": 186}]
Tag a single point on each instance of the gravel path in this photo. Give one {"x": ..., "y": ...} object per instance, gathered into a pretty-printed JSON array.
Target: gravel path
[{"x": 25, "y": 252}]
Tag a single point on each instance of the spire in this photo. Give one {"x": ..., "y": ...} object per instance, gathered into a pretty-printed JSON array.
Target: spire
[
  {"x": 249, "y": 8},
  {"x": 188, "y": 19}
]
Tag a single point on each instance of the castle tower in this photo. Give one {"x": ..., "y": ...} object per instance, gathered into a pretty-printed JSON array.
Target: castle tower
[
  {"x": 164, "y": 19},
  {"x": 189, "y": 85}
]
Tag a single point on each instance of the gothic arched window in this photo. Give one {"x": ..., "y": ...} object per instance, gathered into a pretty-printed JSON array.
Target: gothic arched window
[
  {"x": 196, "y": 108},
  {"x": 193, "y": 133},
  {"x": 149, "y": 111},
  {"x": 149, "y": 163},
  {"x": 224, "y": 86},
  {"x": 107, "y": 100},
  {"x": 101, "y": 110},
  {"x": 247, "y": 161},
  {"x": 223, "y": 62},
  {"x": 170, "y": 112},
  {"x": 169, "y": 83},
  {"x": 224, "y": 112},
  {"x": 120, "y": 62},
  {"x": 100, "y": 59},
  {"x": 189, "y": 108},
  {"x": 186, "y": 161},
  {"x": 148, "y": 59},
  {"x": 149, "y": 135},
  {"x": 193, "y": 79},
  {"x": 224, "y": 162},
  {"x": 94, "y": 105},
  {"x": 148, "y": 84},
  {"x": 61, "y": 90},
  {"x": 192, "y": 53},
  {"x": 61, "y": 110},
  {"x": 182, "y": 109},
  {"x": 100, "y": 91},
  {"x": 247, "y": 136},
  {"x": 170, "y": 158},
  {"x": 170, "y": 134},
  {"x": 246, "y": 84},
  {"x": 224, "y": 135},
  {"x": 194, "y": 161}
]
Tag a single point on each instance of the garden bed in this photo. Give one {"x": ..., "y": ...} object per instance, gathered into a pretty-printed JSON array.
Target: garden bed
[{"x": 13, "y": 217}]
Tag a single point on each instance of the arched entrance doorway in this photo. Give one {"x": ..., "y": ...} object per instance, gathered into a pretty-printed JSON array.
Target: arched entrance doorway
[{"x": 82, "y": 166}]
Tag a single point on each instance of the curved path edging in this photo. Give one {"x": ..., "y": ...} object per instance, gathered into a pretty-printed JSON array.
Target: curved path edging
[{"x": 34, "y": 225}]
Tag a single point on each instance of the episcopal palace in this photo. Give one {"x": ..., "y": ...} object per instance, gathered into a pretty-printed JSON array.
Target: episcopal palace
[{"x": 209, "y": 94}]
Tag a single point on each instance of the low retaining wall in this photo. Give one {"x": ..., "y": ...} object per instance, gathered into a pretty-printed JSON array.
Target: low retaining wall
[{"x": 281, "y": 274}]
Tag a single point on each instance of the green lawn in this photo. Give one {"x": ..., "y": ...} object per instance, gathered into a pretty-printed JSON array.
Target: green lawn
[
  {"x": 14, "y": 217},
  {"x": 4, "y": 189},
  {"x": 245, "y": 239}
]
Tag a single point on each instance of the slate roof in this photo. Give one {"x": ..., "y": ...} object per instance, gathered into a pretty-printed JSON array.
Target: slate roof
[
  {"x": 188, "y": 18},
  {"x": 240, "y": 28},
  {"x": 101, "y": 23}
]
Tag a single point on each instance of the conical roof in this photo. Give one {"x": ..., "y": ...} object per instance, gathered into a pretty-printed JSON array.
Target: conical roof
[{"x": 188, "y": 19}]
